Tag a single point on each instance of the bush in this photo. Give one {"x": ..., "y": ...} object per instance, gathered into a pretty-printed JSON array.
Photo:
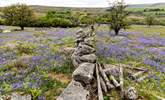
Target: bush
[
  {"x": 61, "y": 22},
  {"x": 41, "y": 22},
  {"x": 1, "y": 22},
  {"x": 150, "y": 20},
  {"x": 161, "y": 22},
  {"x": 53, "y": 22}
]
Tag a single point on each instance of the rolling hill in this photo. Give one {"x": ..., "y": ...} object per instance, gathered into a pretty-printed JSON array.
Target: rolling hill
[{"x": 43, "y": 9}]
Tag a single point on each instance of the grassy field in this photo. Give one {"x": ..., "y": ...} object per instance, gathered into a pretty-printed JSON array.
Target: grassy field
[{"x": 33, "y": 62}]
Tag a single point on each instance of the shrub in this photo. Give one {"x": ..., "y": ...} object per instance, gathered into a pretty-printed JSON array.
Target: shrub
[
  {"x": 161, "y": 22},
  {"x": 53, "y": 22},
  {"x": 61, "y": 22},
  {"x": 150, "y": 20},
  {"x": 1, "y": 22}
]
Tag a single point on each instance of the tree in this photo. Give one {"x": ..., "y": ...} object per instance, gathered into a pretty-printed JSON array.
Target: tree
[
  {"x": 118, "y": 17},
  {"x": 18, "y": 15},
  {"x": 150, "y": 20}
]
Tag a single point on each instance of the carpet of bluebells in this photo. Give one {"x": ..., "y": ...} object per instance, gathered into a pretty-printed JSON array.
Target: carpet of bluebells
[
  {"x": 137, "y": 49},
  {"x": 27, "y": 57}
]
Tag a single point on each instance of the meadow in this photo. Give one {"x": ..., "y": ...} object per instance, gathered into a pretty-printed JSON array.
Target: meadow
[{"x": 32, "y": 61}]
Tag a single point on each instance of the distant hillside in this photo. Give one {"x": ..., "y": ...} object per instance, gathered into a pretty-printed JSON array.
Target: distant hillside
[
  {"x": 44, "y": 9},
  {"x": 155, "y": 5}
]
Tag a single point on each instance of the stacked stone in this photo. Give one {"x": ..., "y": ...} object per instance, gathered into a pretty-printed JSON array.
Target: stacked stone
[{"x": 84, "y": 60}]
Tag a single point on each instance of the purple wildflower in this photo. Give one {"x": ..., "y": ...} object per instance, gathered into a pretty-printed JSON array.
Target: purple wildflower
[
  {"x": 17, "y": 85},
  {"x": 151, "y": 63},
  {"x": 41, "y": 98},
  {"x": 36, "y": 58}
]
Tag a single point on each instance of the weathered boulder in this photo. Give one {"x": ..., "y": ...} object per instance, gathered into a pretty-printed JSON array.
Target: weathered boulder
[
  {"x": 75, "y": 63},
  {"x": 84, "y": 73},
  {"x": 88, "y": 58},
  {"x": 74, "y": 91},
  {"x": 75, "y": 59},
  {"x": 84, "y": 49},
  {"x": 89, "y": 41},
  {"x": 81, "y": 34},
  {"x": 16, "y": 96},
  {"x": 131, "y": 94}
]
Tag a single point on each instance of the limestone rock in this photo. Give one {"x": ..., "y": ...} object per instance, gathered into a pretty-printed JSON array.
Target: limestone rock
[
  {"x": 89, "y": 41},
  {"x": 84, "y": 73},
  {"x": 88, "y": 58},
  {"x": 16, "y": 96},
  {"x": 74, "y": 91},
  {"x": 75, "y": 63},
  {"x": 131, "y": 94},
  {"x": 81, "y": 34},
  {"x": 75, "y": 60},
  {"x": 84, "y": 49}
]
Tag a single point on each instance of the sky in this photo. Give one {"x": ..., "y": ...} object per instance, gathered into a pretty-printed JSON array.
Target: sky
[{"x": 74, "y": 3}]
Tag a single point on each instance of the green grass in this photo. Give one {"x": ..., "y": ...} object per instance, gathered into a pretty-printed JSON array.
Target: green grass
[{"x": 153, "y": 30}]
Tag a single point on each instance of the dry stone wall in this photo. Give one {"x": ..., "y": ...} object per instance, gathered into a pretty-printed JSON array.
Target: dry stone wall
[
  {"x": 93, "y": 80},
  {"x": 83, "y": 59}
]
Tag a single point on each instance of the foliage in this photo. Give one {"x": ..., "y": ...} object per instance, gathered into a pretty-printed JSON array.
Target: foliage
[
  {"x": 87, "y": 19},
  {"x": 35, "y": 93},
  {"x": 1, "y": 21},
  {"x": 153, "y": 9},
  {"x": 150, "y": 20},
  {"x": 64, "y": 19},
  {"x": 103, "y": 19},
  {"x": 118, "y": 17},
  {"x": 61, "y": 22},
  {"x": 18, "y": 15},
  {"x": 55, "y": 19}
]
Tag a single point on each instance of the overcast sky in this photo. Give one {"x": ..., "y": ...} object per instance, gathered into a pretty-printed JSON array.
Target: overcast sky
[{"x": 73, "y": 3}]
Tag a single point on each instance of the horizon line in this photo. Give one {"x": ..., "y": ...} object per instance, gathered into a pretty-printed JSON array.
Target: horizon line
[{"x": 82, "y": 6}]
